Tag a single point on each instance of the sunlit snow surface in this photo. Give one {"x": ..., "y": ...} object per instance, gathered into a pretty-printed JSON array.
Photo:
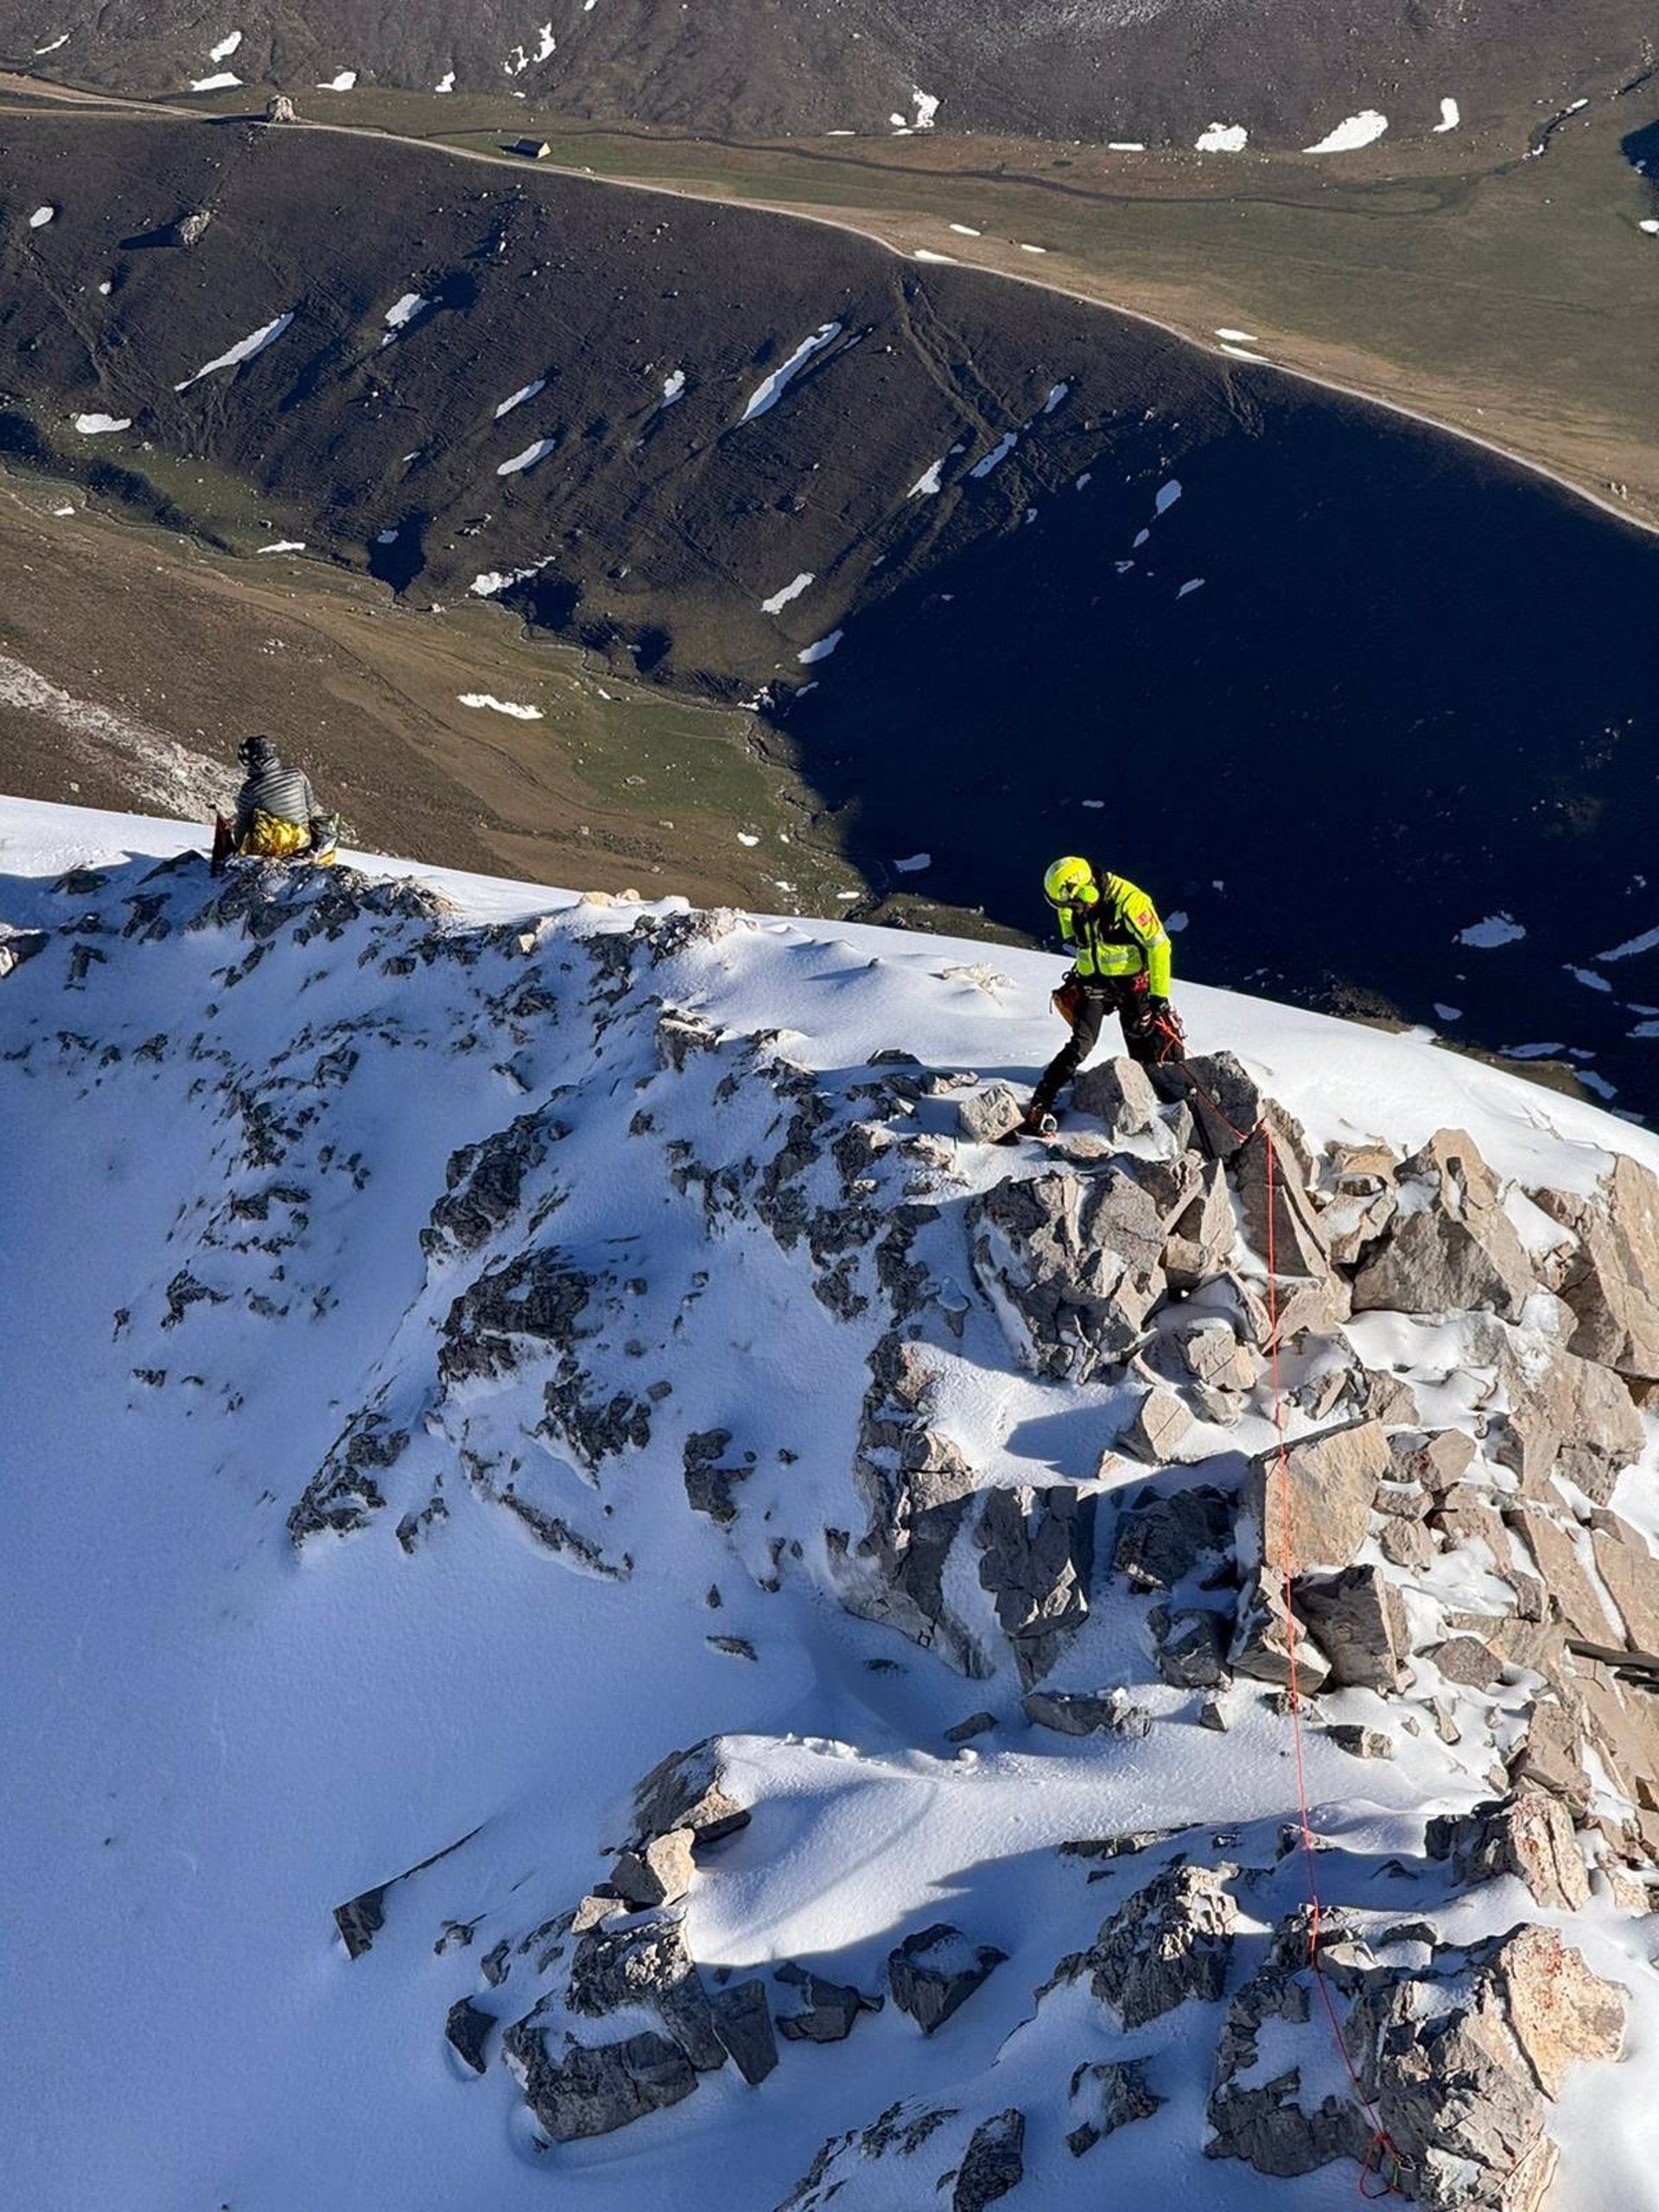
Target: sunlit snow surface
[
  {"x": 1357, "y": 130},
  {"x": 1223, "y": 139},
  {"x": 771, "y": 390},
  {"x": 209, "y": 1743}
]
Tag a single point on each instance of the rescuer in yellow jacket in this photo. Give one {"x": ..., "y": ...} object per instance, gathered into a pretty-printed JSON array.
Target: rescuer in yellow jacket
[{"x": 1120, "y": 962}]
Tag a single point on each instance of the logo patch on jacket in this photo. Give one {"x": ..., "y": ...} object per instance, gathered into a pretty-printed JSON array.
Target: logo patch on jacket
[{"x": 1143, "y": 919}]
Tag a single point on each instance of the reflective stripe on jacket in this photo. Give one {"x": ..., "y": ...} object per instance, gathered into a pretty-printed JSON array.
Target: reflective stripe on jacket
[
  {"x": 1120, "y": 935},
  {"x": 283, "y": 793}
]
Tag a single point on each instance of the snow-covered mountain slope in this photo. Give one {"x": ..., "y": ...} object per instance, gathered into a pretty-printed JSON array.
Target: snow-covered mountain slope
[
  {"x": 1220, "y": 72},
  {"x": 468, "y": 1346}
]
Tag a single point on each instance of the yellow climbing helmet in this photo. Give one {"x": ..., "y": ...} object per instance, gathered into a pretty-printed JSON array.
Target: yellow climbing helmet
[{"x": 1070, "y": 882}]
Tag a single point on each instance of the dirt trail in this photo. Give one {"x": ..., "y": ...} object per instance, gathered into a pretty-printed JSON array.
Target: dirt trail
[{"x": 27, "y": 94}]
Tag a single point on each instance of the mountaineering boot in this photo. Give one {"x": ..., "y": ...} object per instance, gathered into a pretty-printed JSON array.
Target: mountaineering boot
[{"x": 1033, "y": 1123}]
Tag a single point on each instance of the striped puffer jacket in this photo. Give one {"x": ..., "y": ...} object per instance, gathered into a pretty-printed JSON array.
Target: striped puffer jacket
[{"x": 284, "y": 792}]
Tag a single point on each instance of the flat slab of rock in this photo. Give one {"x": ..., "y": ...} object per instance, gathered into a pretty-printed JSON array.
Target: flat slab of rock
[
  {"x": 817, "y": 2011},
  {"x": 1314, "y": 1500},
  {"x": 594, "y": 2089},
  {"x": 985, "y": 1114},
  {"x": 1458, "y": 1250},
  {"x": 936, "y": 1971},
  {"x": 742, "y": 2019},
  {"x": 1087, "y": 1712},
  {"x": 1528, "y": 1835}
]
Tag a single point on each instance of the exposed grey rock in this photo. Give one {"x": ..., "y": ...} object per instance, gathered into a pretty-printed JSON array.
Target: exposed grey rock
[
  {"x": 1265, "y": 1637},
  {"x": 658, "y": 1874},
  {"x": 1203, "y": 1234},
  {"x": 1155, "y": 1429},
  {"x": 1361, "y": 1743},
  {"x": 933, "y": 1973},
  {"x": 535, "y": 1298},
  {"x": 343, "y": 1495},
  {"x": 898, "y": 2132},
  {"x": 1611, "y": 1281},
  {"x": 594, "y": 2089},
  {"x": 1630, "y": 1571},
  {"x": 679, "y": 1037},
  {"x": 976, "y": 1724},
  {"x": 1359, "y": 1623},
  {"x": 988, "y": 1113},
  {"x": 1038, "y": 1549},
  {"x": 19, "y": 945},
  {"x": 708, "y": 1486},
  {"x": 1566, "y": 1416},
  {"x": 467, "y": 2029},
  {"x": 1529, "y": 1834},
  {"x": 1461, "y": 2066},
  {"x": 361, "y": 1919},
  {"x": 1548, "y": 1533},
  {"x": 1074, "y": 1264},
  {"x": 1265, "y": 2122},
  {"x": 280, "y": 109},
  {"x": 1224, "y": 1100},
  {"x": 1212, "y": 1354},
  {"x": 1118, "y": 1092},
  {"x": 1112, "y": 2094},
  {"x": 484, "y": 1185},
  {"x": 743, "y": 2022},
  {"x": 1162, "y": 1541},
  {"x": 1191, "y": 1652},
  {"x": 188, "y": 228},
  {"x": 820, "y": 2011},
  {"x": 632, "y": 1963},
  {"x": 1295, "y": 1237},
  {"x": 1080, "y": 1712},
  {"x": 1434, "y": 1461},
  {"x": 1321, "y": 1490},
  {"x": 1456, "y": 1249},
  {"x": 1468, "y": 1660},
  {"x": 1169, "y": 1942},
  {"x": 687, "y": 1790},
  {"x": 993, "y": 2162},
  {"x": 1550, "y": 1754}
]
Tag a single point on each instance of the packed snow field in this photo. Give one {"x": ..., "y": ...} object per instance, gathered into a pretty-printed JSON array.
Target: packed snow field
[{"x": 531, "y": 1420}]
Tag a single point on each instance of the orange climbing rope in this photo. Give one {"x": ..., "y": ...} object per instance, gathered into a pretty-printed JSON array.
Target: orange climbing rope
[{"x": 1382, "y": 2148}]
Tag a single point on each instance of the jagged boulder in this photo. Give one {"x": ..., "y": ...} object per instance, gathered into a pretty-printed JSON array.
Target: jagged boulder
[
  {"x": 988, "y": 1113},
  {"x": 1156, "y": 1429},
  {"x": 1225, "y": 1099},
  {"x": 658, "y": 1874},
  {"x": 1265, "y": 2122},
  {"x": 1314, "y": 1498},
  {"x": 1528, "y": 1835},
  {"x": 1360, "y": 1200},
  {"x": 594, "y": 2089},
  {"x": 994, "y": 2164},
  {"x": 19, "y": 945},
  {"x": 1291, "y": 1233},
  {"x": 1202, "y": 1231},
  {"x": 280, "y": 109},
  {"x": 1454, "y": 1247},
  {"x": 1359, "y": 1623},
  {"x": 1169, "y": 1942},
  {"x": 1039, "y": 1548},
  {"x": 618, "y": 1965},
  {"x": 1630, "y": 1572},
  {"x": 1119, "y": 1092},
  {"x": 1612, "y": 1280},
  {"x": 817, "y": 2011},
  {"x": 467, "y": 2031},
  {"x": 1073, "y": 1262},
  {"x": 483, "y": 1183},
  {"x": 687, "y": 1790},
  {"x": 1566, "y": 1415},
  {"x": 933, "y": 1973},
  {"x": 1163, "y": 1541},
  {"x": 1461, "y": 2064},
  {"x": 1191, "y": 1651},
  {"x": 1087, "y": 1712},
  {"x": 1270, "y": 1646},
  {"x": 742, "y": 2017},
  {"x": 1111, "y": 2094}
]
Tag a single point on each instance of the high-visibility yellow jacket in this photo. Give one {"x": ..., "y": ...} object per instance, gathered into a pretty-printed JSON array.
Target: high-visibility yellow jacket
[{"x": 1120, "y": 935}]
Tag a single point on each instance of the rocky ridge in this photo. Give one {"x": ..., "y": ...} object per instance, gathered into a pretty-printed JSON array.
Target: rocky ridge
[{"x": 1448, "y": 1527}]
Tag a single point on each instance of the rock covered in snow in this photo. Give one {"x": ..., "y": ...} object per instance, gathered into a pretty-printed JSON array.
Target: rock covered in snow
[{"x": 933, "y": 1973}]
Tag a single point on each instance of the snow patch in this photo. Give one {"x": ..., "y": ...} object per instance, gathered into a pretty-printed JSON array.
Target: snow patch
[
  {"x": 41, "y": 217},
  {"x": 223, "y": 82},
  {"x": 1033, "y": 248},
  {"x": 94, "y": 426},
  {"x": 1223, "y": 138},
  {"x": 524, "y": 392},
  {"x": 243, "y": 350},
  {"x": 673, "y": 387},
  {"x": 283, "y": 545},
  {"x": 771, "y": 390},
  {"x": 966, "y": 231},
  {"x": 998, "y": 454},
  {"x": 402, "y": 312},
  {"x": 923, "y": 254},
  {"x": 822, "y": 650},
  {"x": 1451, "y": 115},
  {"x": 1125, "y": 146},
  {"x": 1192, "y": 584},
  {"x": 490, "y": 582},
  {"x": 927, "y": 106},
  {"x": 1496, "y": 929},
  {"x": 51, "y": 45},
  {"x": 1589, "y": 978},
  {"x": 1645, "y": 943},
  {"x": 226, "y": 47},
  {"x": 928, "y": 482},
  {"x": 1357, "y": 130},
  {"x": 914, "y": 865},
  {"x": 1449, "y": 1013},
  {"x": 487, "y": 699},
  {"x": 1056, "y": 394},
  {"x": 446, "y": 83},
  {"x": 342, "y": 83},
  {"x": 527, "y": 459},
  {"x": 1238, "y": 337},
  {"x": 780, "y": 600},
  {"x": 1167, "y": 495}
]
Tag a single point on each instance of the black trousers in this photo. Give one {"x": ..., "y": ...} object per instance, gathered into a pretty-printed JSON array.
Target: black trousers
[{"x": 1140, "y": 1039}]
